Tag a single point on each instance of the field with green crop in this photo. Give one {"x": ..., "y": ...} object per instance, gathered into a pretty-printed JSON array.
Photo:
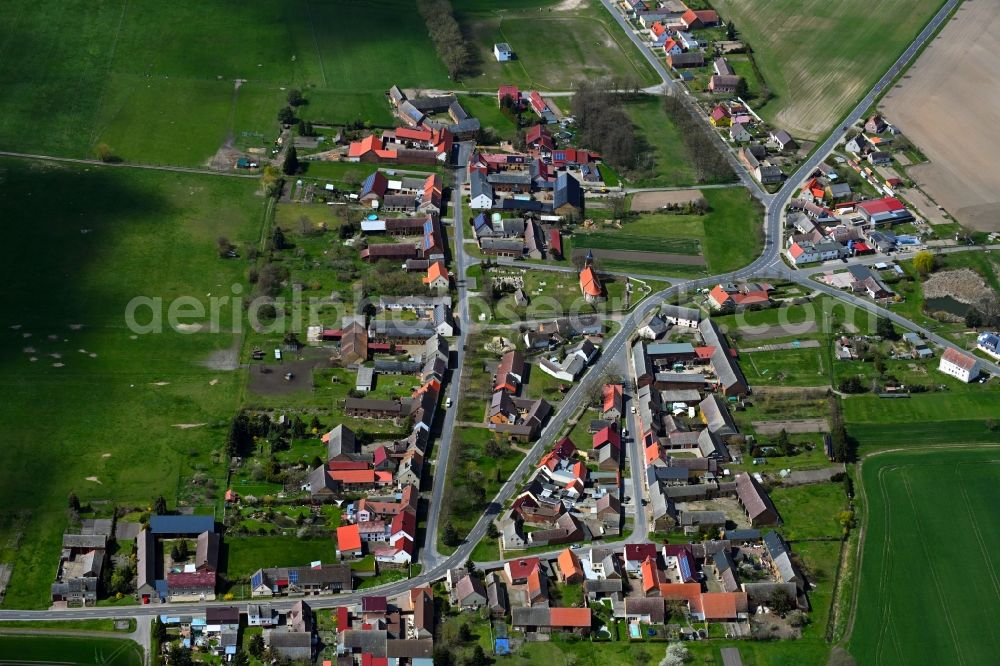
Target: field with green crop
[
  {"x": 928, "y": 588},
  {"x": 89, "y": 405},
  {"x": 555, "y": 46},
  {"x": 158, "y": 81},
  {"x": 850, "y": 44},
  {"x": 65, "y": 651}
]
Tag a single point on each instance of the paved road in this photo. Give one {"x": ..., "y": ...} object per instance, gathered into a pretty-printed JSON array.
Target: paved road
[
  {"x": 429, "y": 555},
  {"x": 769, "y": 264},
  {"x": 129, "y": 165}
]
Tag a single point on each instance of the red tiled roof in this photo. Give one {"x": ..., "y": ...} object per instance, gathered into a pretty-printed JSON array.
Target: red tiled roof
[
  {"x": 964, "y": 361},
  {"x": 360, "y": 476},
  {"x": 589, "y": 283},
  {"x": 569, "y": 617},
  {"x": 637, "y": 552},
  {"x": 723, "y": 605},
  {"x": 607, "y": 435},
  {"x": 569, "y": 564},
  {"x": 348, "y": 538},
  {"x": 612, "y": 396},
  {"x": 522, "y": 567}
]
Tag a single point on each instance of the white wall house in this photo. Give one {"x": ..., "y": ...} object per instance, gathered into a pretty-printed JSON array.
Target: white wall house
[
  {"x": 961, "y": 366},
  {"x": 502, "y": 52}
]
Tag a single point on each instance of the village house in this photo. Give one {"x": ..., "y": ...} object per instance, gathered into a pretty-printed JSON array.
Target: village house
[
  {"x": 301, "y": 581},
  {"x": 963, "y": 367},
  {"x": 755, "y": 501}
]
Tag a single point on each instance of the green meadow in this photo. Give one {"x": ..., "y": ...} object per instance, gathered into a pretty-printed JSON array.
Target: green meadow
[{"x": 90, "y": 406}]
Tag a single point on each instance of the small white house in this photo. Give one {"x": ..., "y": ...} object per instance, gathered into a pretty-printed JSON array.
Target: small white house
[
  {"x": 961, "y": 366},
  {"x": 502, "y": 52},
  {"x": 989, "y": 343}
]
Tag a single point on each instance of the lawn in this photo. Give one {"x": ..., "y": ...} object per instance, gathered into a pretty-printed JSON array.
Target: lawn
[
  {"x": 485, "y": 108},
  {"x": 815, "y": 81},
  {"x": 244, "y": 555},
  {"x": 732, "y": 215},
  {"x": 789, "y": 367},
  {"x": 928, "y": 512},
  {"x": 810, "y": 511},
  {"x": 156, "y": 81},
  {"x": 68, "y": 651},
  {"x": 84, "y": 395},
  {"x": 554, "y": 49}
]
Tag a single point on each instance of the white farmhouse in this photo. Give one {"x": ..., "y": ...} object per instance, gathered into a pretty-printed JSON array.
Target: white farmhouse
[{"x": 961, "y": 366}]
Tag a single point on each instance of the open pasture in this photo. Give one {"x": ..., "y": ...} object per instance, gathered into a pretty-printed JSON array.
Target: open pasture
[
  {"x": 171, "y": 82},
  {"x": 90, "y": 406}
]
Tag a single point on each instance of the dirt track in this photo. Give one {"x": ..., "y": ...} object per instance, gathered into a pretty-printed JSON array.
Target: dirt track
[
  {"x": 949, "y": 106},
  {"x": 652, "y": 201}
]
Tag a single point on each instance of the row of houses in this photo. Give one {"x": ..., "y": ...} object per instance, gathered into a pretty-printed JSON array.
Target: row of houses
[
  {"x": 564, "y": 501},
  {"x": 850, "y": 229}
]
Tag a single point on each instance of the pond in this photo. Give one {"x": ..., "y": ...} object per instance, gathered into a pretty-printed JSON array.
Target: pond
[{"x": 947, "y": 304}]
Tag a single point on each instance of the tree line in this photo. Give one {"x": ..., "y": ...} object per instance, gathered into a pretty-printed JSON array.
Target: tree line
[
  {"x": 446, "y": 35},
  {"x": 604, "y": 125},
  {"x": 710, "y": 165}
]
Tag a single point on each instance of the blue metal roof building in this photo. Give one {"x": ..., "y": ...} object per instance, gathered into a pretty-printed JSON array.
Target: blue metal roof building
[{"x": 182, "y": 525}]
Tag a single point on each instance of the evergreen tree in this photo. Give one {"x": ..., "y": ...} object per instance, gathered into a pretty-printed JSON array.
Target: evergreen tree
[{"x": 290, "y": 166}]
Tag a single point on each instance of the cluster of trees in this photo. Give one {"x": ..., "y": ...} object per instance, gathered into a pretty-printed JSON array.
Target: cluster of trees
[
  {"x": 246, "y": 427},
  {"x": 924, "y": 262},
  {"x": 446, "y": 35},
  {"x": 845, "y": 448},
  {"x": 604, "y": 125},
  {"x": 710, "y": 165},
  {"x": 180, "y": 551}
]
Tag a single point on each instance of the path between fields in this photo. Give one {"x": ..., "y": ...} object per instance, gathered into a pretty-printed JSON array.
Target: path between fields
[{"x": 125, "y": 165}]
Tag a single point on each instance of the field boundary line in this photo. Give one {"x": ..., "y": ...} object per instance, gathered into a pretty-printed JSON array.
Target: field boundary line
[
  {"x": 125, "y": 165},
  {"x": 319, "y": 55},
  {"x": 111, "y": 64}
]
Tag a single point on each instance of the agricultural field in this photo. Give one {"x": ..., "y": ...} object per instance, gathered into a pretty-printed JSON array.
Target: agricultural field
[
  {"x": 815, "y": 81},
  {"x": 960, "y": 175},
  {"x": 731, "y": 214},
  {"x": 85, "y": 395},
  {"x": 170, "y": 83},
  {"x": 928, "y": 512},
  {"x": 66, "y": 651},
  {"x": 555, "y": 48}
]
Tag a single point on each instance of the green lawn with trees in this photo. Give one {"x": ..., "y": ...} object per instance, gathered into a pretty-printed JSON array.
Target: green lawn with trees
[{"x": 90, "y": 406}]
